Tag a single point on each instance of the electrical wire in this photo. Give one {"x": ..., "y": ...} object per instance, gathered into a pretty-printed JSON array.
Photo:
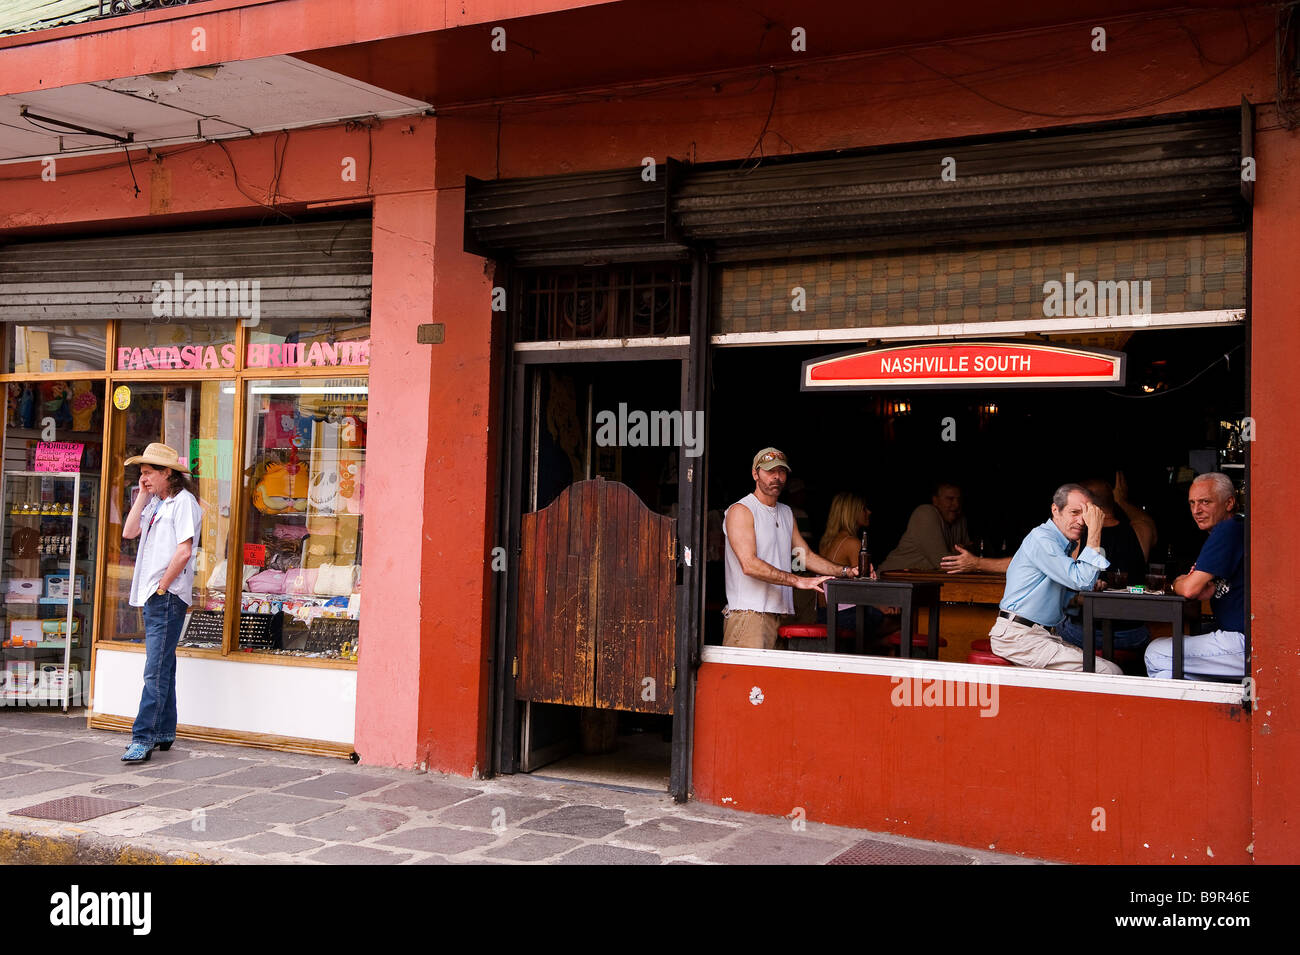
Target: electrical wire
[
  {"x": 1169, "y": 391},
  {"x": 758, "y": 143},
  {"x": 277, "y": 164},
  {"x": 1133, "y": 107},
  {"x": 129, "y": 166},
  {"x": 244, "y": 192}
]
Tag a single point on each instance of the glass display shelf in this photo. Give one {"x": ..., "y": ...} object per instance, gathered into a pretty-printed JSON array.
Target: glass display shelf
[{"x": 47, "y": 562}]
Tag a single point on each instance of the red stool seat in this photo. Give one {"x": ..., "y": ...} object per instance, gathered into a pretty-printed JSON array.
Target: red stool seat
[
  {"x": 988, "y": 658},
  {"x": 1122, "y": 657},
  {"x": 810, "y": 631},
  {"x": 804, "y": 630},
  {"x": 810, "y": 637}
]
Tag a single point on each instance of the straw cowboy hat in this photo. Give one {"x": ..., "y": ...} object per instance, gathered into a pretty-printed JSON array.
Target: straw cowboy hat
[{"x": 160, "y": 456}]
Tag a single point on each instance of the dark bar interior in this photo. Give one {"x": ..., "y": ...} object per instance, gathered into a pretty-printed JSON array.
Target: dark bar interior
[{"x": 1012, "y": 447}]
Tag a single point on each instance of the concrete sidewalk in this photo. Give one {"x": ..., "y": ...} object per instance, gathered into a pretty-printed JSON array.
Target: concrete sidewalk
[{"x": 209, "y": 802}]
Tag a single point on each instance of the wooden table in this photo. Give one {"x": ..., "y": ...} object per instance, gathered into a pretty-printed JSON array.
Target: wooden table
[
  {"x": 909, "y": 596},
  {"x": 970, "y": 605},
  {"x": 1110, "y": 605}
]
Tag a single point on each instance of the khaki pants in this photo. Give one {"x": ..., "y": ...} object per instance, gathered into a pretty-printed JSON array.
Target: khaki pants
[
  {"x": 1037, "y": 648},
  {"x": 751, "y": 628}
]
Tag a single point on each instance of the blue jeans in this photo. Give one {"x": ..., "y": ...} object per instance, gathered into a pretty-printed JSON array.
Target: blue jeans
[
  {"x": 1221, "y": 653},
  {"x": 1071, "y": 631},
  {"x": 164, "y": 615}
]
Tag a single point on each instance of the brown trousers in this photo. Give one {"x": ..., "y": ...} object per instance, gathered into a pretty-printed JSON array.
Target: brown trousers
[{"x": 751, "y": 628}]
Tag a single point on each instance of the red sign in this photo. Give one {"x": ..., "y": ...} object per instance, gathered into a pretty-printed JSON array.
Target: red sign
[
  {"x": 963, "y": 365},
  {"x": 254, "y": 555}
]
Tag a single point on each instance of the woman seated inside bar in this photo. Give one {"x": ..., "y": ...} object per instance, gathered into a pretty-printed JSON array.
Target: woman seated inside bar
[{"x": 841, "y": 543}]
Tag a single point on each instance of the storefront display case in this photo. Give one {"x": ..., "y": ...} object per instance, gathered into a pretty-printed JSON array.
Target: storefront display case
[
  {"x": 301, "y": 591},
  {"x": 274, "y": 661},
  {"x": 47, "y": 577}
]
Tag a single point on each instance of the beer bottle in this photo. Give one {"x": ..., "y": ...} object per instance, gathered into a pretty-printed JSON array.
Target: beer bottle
[{"x": 864, "y": 559}]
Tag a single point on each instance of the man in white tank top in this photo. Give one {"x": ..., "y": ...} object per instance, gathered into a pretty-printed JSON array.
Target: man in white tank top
[{"x": 760, "y": 536}]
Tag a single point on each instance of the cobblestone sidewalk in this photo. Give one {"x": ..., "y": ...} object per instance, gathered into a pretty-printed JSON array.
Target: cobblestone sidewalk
[{"x": 220, "y": 803}]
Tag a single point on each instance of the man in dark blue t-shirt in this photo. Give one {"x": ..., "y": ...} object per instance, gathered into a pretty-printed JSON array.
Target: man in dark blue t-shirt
[{"x": 1219, "y": 574}]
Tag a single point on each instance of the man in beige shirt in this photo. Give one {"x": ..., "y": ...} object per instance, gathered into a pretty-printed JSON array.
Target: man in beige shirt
[{"x": 933, "y": 532}]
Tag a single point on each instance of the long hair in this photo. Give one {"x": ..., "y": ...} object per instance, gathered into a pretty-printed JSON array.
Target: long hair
[
  {"x": 180, "y": 481},
  {"x": 846, "y": 508}
]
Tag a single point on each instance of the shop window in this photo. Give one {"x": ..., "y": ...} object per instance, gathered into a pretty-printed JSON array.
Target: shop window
[
  {"x": 289, "y": 343},
  {"x": 196, "y": 345},
  {"x": 619, "y": 302},
  {"x": 53, "y": 442},
  {"x": 60, "y": 349},
  {"x": 197, "y": 420},
  {"x": 305, "y": 489}
]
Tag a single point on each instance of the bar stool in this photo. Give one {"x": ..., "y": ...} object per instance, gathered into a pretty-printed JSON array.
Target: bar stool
[
  {"x": 1125, "y": 659},
  {"x": 810, "y": 636},
  {"x": 987, "y": 657}
]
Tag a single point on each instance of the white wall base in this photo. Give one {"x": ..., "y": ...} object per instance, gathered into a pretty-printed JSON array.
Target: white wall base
[{"x": 304, "y": 702}]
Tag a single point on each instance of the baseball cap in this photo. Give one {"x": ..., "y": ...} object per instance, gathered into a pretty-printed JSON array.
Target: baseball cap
[{"x": 770, "y": 458}]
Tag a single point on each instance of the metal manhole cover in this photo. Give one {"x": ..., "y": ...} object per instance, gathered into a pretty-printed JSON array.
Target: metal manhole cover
[
  {"x": 876, "y": 852},
  {"x": 74, "y": 808}
]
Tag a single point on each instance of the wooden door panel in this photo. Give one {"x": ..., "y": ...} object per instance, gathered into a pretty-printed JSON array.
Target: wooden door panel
[
  {"x": 597, "y": 601},
  {"x": 636, "y": 625},
  {"x": 557, "y": 575}
]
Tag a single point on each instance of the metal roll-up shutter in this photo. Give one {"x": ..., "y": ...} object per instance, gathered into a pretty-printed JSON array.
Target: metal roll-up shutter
[
  {"x": 1180, "y": 173},
  {"x": 304, "y": 270},
  {"x": 609, "y": 216}
]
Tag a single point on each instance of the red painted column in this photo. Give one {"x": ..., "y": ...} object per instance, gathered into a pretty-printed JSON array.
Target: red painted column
[
  {"x": 422, "y": 696},
  {"x": 1275, "y": 462},
  {"x": 453, "y": 700},
  {"x": 388, "y": 679}
]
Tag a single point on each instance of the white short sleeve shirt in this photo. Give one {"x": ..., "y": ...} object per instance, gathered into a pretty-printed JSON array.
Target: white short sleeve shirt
[{"x": 164, "y": 525}]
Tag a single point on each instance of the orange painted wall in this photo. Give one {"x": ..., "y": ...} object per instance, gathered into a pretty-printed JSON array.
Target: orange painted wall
[
  {"x": 165, "y": 39},
  {"x": 1275, "y": 462},
  {"x": 1172, "y": 778}
]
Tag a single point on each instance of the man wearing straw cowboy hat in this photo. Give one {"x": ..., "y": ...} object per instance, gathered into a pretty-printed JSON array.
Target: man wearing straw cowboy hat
[{"x": 166, "y": 517}]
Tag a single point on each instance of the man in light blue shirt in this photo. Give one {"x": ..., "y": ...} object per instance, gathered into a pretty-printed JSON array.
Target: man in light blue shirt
[{"x": 1041, "y": 580}]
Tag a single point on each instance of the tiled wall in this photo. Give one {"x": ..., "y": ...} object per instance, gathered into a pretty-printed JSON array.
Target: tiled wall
[{"x": 975, "y": 283}]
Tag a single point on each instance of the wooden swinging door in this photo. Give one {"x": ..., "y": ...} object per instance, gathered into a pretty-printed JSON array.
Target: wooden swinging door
[{"x": 596, "y": 607}]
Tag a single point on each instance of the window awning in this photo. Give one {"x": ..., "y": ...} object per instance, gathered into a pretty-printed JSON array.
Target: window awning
[{"x": 212, "y": 102}]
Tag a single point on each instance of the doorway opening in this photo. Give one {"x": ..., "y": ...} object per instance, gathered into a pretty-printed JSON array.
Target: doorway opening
[{"x": 595, "y": 620}]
